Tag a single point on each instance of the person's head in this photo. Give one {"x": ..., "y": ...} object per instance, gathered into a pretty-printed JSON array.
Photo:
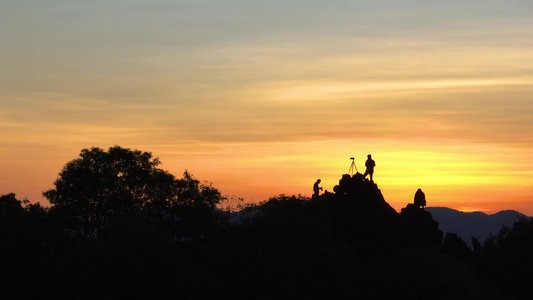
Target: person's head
[
  {"x": 318, "y": 180},
  {"x": 369, "y": 156}
]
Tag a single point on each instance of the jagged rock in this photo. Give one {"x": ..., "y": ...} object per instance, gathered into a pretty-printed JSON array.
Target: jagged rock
[
  {"x": 476, "y": 245},
  {"x": 454, "y": 245},
  {"x": 359, "y": 206},
  {"x": 363, "y": 195},
  {"x": 420, "y": 229}
]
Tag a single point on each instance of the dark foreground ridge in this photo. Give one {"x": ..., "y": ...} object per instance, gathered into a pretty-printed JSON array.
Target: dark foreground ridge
[{"x": 349, "y": 244}]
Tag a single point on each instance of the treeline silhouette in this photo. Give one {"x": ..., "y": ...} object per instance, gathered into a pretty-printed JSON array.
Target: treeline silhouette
[{"x": 121, "y": 228}]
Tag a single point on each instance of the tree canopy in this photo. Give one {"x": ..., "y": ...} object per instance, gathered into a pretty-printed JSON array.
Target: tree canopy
[{"x": 100, "y": 183}]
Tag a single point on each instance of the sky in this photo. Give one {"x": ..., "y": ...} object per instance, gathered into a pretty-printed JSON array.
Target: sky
[{"x": 261, "y": 98}]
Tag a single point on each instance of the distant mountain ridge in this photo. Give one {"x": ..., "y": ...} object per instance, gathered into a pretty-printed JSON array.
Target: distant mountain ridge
[{"x": 472, "y": 224}]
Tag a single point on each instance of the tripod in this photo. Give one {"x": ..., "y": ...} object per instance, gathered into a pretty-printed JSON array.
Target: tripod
[{"x": 353, "y": 166}]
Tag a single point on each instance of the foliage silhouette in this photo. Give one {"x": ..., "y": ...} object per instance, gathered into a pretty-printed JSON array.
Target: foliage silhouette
[
  {"x": 507, "y": 259},
  {"x": 101, "y": 183},
  {"x": 195, "y": 194},
  {"x": 120, "y": 181},
  {"x": 10, "y": 205}
]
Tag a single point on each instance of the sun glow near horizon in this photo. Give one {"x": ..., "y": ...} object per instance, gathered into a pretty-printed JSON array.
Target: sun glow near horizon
[{"x": 452, "y": 176}]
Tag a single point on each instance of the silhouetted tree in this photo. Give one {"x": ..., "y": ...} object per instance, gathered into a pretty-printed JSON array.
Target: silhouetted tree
[
  {"x": 12, "y": 216},
  {"x": 192, "y": 193},
  {"x": 509, "y": 258},
  {"x": 100, "y": 183},
  {"x": 118, "y": 181},
  {"x": 22, "y": 243},
  {"x": 9, "y": 205},
  {"x": 517, "y": 239},
  {"x": 18, "y": 215}
]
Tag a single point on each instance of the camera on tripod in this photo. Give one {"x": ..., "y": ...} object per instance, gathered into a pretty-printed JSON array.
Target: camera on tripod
[{"x": 353, "y": 167}]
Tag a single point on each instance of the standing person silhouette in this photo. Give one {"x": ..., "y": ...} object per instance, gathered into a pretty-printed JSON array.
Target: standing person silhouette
[
  {"x": 316, "y": 188},
  {"x": 370, "y": 164}
]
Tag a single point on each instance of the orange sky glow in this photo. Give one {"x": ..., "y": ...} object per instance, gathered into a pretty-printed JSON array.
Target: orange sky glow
[{"x": 263, "y": 98}]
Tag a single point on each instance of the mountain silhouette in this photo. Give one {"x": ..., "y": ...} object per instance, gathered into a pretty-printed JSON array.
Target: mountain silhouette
[{"x": 472, "y": 224}]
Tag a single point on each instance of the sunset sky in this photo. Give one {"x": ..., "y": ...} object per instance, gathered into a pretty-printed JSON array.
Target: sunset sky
[{"x": 264, "y": 97}]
